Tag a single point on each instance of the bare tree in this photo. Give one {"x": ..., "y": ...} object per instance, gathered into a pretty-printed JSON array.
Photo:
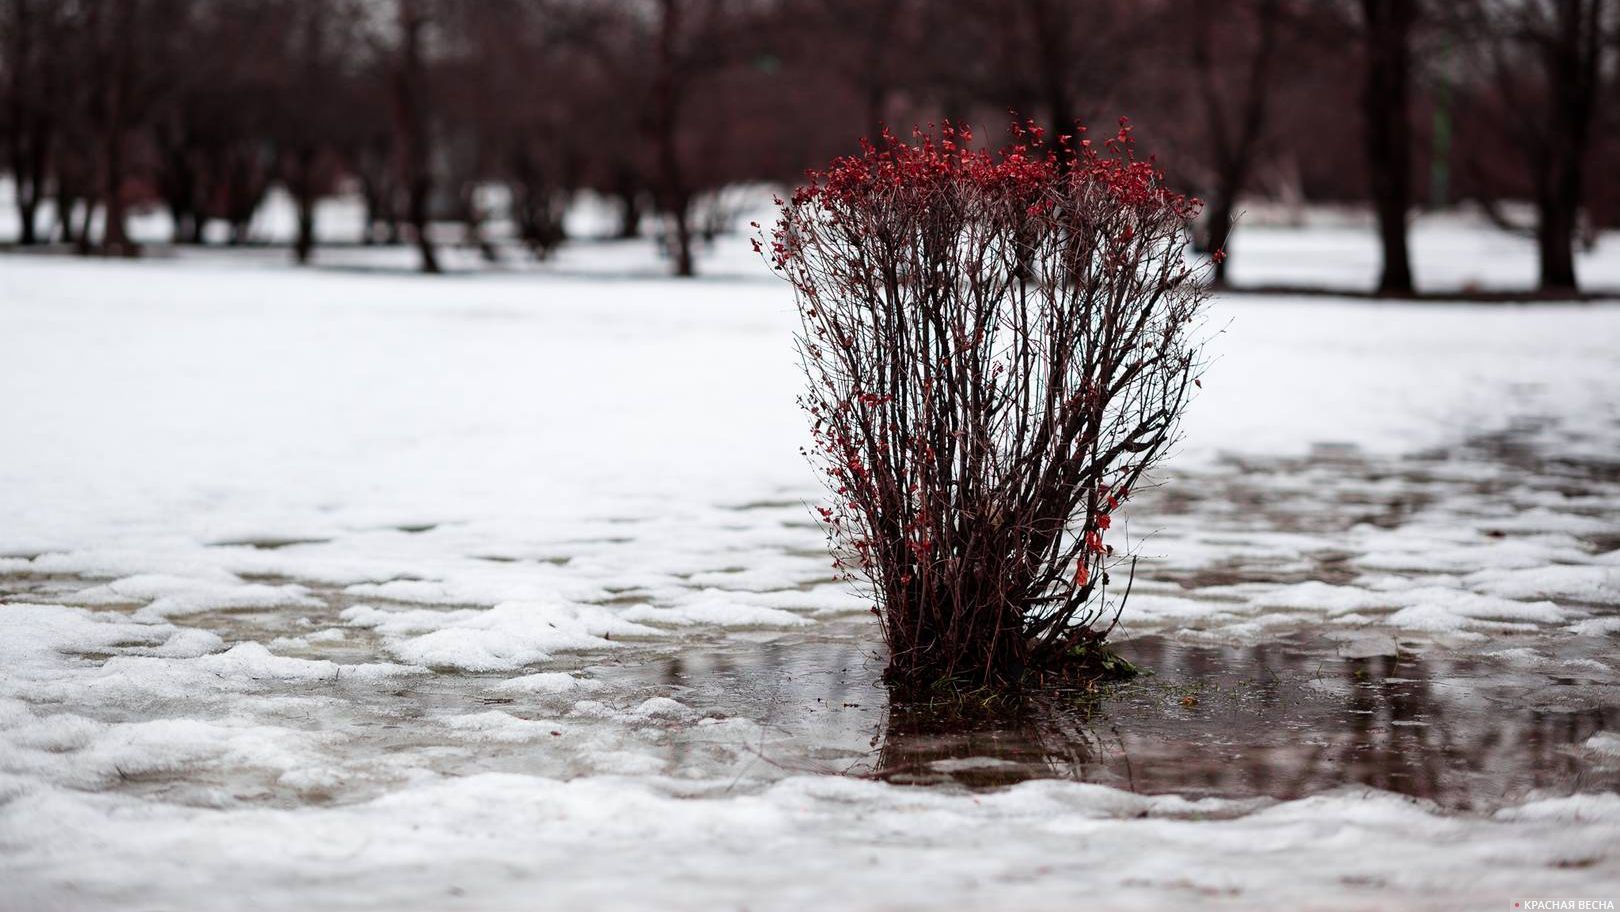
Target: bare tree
[
  {"x": 425, "y": 106},
  {"x": 869, "y": 44},
  {"x": 1065, "y": 59},
  {"x": 535, "y": 148},
  {"x": 691, "y": 41},
  {"x": 1233, "y": 131},
  {"x": 191, "y": 114},
  {"x": 1543, "y": 64},
  {"x": 34, "y": 32}
]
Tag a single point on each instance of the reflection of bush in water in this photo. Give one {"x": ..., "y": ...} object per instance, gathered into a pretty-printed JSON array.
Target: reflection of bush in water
[
  {"x": 985, "y": 746},
  {"x": 1274, "y": 720}
]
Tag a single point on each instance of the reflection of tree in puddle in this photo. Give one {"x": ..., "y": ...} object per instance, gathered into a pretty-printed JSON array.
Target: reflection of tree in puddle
[
  {"x": 1284, "y": 719},
  {"x": 1405, "y": 736},
  {"x": 1277, "y": 720},
  {"x": 983, "y": 748},
  {"x": 1291, "y": 717}
]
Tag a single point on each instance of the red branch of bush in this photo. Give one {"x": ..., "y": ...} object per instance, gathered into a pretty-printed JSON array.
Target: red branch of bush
[{"x": 998, "y": 345}]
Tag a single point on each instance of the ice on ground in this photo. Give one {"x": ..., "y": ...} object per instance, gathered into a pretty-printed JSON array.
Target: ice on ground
[
  {"x": 663, "y": 708},
  {"x": 1604, "y": 743},
  {"x": 496, "y": 725},
  {"x": 716, "y": 608},
  {"x": 546, "y": 682},
  {"x": 1599, "y": 585},
  {"x": 162, "y": 595},
  {"x": 504, "y": 637}
]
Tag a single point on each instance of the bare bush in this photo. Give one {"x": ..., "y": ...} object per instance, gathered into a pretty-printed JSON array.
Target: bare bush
[{"x": 998, "y": 346}]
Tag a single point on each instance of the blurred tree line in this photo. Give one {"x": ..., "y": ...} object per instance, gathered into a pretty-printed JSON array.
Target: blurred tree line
[{"x": 420, "y": 107}]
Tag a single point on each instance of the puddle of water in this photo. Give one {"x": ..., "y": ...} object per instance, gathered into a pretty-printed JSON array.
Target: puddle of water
[
  {"x": 1283, "y": 720},
  {"x": 1301, "y": 714}
]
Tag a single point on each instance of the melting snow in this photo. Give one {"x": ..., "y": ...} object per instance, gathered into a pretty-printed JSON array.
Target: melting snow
[{"x": 304, "y": 575}]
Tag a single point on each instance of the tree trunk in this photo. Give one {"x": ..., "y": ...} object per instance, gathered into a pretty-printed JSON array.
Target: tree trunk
[
  {"x": 415, "y": 165},
  {"x": 180, "y": 191},
  {"x": 304, "y": 246},
  {"x": 420, "y": 193},
  {"x": 674, "y": 198},
  {"x": 23, "y": 103},
  {"x": 242, "y": 184},
  {"x": 629, "y": 193},
  {"x": 629, "y": 215},
  {"x": 1573, "y": 67},
  {"x": 31, "y": 189},
  {"x": 27, "y": 212},
  {"x": 83, "y": 243},
  {"x": 371, "y": 194},
  {"x": 303, "y": 187},
  {"x": 538, "y": 208},
  {"x": 65, "y": 202},
  {"x": 1555, "y": 244},
  {"x": 114, "y": 231},
  {"x": 1388, "y": 133},
  {"x": 381, "y": 196},
  {"x": 368, "y": 223},
  {"x": 681, "y": 214},
  {"x": 28, "y": 171}
]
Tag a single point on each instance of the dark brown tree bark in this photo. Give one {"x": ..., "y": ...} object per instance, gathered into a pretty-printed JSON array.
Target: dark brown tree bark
[
  {"x": 30, "y": 104},
  {"x": 1571, "y": 53},
  {"x": 178, "y": 182},
  {"x": 309, "y": 121},
  {"x": 629, "y": 194},
  {"x": 674, "y": 197},
  {"x": 414, "y": 155},
  {"x": 66, "y": 201},
  {"x": 29, "y": 154},
  {"x": 84, "y": 243},
  {"x": 117, "y": 55},
  {"x": 1546, "y": 63},
  {"x": 245, "y": 179},
  {"x": 302, "y": 183},
  {"x": 539, "y": 201},
  {"x": 1388, "y": 132},
  {"x": 377, "y": 190},
  {"x": 69, "y": 167}
]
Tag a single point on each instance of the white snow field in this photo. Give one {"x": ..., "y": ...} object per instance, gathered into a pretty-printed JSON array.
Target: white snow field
[{"x": 346, "y": 589}]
